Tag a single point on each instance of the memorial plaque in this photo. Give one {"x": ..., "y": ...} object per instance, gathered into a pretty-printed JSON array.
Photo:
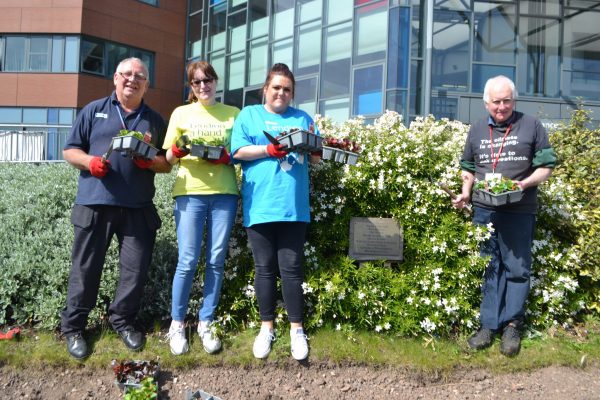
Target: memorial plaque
[{"x": 375, "y": 239}]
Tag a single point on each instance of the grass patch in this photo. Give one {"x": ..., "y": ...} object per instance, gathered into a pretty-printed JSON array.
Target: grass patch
[{"x": 576, "y": 348}]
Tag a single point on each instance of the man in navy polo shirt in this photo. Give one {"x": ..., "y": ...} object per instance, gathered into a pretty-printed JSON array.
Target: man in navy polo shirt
[
  {"x": 505, "y": 144},
  {"x": 114, "y": 197}
]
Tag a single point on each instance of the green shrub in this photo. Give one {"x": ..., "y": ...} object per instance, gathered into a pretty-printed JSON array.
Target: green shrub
[{"x": 434, "y": 291}]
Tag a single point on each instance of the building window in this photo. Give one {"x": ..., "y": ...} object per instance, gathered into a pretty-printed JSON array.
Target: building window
[
  {"x": 151, "y": 2},
  {"x": 92, "y": 56},
  {"x": 450, "y": 55},
  {"x": 335, "y": 70},
  {"x": 368, "y": 91},
  {"x": 370, "y": 32},
  {"x": 305, "y": 95}
]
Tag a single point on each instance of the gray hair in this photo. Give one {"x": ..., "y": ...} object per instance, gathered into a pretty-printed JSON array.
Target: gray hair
[
  {"x": 136, "y": 60},
  {"x": 500, "y": 79}
]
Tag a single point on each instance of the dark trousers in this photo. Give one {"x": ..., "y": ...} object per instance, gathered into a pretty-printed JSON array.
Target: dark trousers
[
  {"x": 506, "y": 280},
  {"x": 278, "y": 248},
  {"x": 95, "y": 226}
]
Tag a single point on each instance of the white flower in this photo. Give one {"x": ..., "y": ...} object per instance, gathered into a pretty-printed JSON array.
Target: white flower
[
  {"x": 378, "y": 328},
  {"x": 338, "y": 327},
  {"x": 361, "y": 295}
]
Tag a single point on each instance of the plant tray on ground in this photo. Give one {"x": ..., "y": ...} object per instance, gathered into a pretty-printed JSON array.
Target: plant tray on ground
[
  {"x": 129, "y": 374},
  {"x": 206, "y": 152},
  {"x": 493, "y": 199},
  {"x": 131, "y": 145},
  {"x": 339, "y": 155},
  {"x": 301, "y": 141}
]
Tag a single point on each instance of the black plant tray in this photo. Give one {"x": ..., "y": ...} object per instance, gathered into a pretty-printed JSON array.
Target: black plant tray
[
  {"x": 132, "y": 146},
  {"x": 339, "y": 155},
  {"x": 206, "y": 152},
  {"x": 492, "y": 199},
  {"x": 301, "y": 141}
]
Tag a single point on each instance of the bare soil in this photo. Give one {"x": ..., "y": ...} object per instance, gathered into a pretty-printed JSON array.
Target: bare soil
[{"x": 310, "y": 381}]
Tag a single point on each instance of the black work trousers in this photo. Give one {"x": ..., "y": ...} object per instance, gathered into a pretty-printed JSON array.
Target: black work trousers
[
  {"x": 278, "y": 249},
  {"x": 95, "y": 226}
]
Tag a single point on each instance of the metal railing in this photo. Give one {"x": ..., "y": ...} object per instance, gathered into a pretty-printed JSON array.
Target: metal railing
[{"x": 40, "y": 145}]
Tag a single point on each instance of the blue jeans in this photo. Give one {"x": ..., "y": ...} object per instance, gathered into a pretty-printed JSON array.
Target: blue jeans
[
  {"x": 217, "y": 212},
  {"x": 506, "y": 279}
]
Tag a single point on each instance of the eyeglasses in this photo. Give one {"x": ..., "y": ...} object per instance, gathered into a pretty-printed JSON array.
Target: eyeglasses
[
  {"x": 206, "y": 81},
  {"x": 130, "y": 75}
]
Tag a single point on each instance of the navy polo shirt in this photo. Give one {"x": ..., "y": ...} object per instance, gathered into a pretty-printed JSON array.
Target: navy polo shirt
[{"x": 125, "y": 184}]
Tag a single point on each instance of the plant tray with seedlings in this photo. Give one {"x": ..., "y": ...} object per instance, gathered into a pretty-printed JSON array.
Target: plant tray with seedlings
[
  {"x": 207, "y": 150},
  {"x": 130, "y": 374},
  {"x": 132, "y": 144},
  {"x": 497, "y": 192},
  {"x": 301, "y": 141},
  {"x": 339, "y": 155}
]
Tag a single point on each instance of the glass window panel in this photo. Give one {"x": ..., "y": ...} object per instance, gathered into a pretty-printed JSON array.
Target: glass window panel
[
  {"x": 151, "y": 2},
  {"x": 217, "y": 60},
  {"x": 35, "y": 115},
  {"x": 217, "y": 25},
  {"x": 450, "y": 53},
  {"x": 338, "y": 10},
  {"x": 283, "y": 18},
  {"x": 416, "y": 88},
  {"x": 581, "y": 49},
  {"x": 338, "y": 109},
  {"x": 15, "y": 53},
  {"x": 257, "y": 18},
  {"x": 585, "y": 4},
  {"x": 444, "y": 107},
  {"x": 309, "y": 48},
  {"x": 71, "y": 54},
  {"x": 235, "y": 97},
  {"x": 335, "y": 70},
  {"x": 398, "y": 48},
  {"x": 397, "y": 100},
  {"x": 53, "y": 116},
  {"x": 92, "y": 56},
  {"x": 539, "y": 59},
  {"x": 371, "y": 32},
  {"x": 115, "y": 53},
  {"x": 495, "y": 37},
  {"x": 283, "y": 52},
  {"x": 305, "y": 95},
  {"x": 237, "y": 32},
  {"x": 195, "y": 5},
  {"x": 237, "y": 70},
  {"x": 65, "y": 116},
  {"x": 540, "y": 7},
  {"x": 39, "y": 53},
  {"x": 258, "y": 62},
  {"x": 367, "y": 90},
  {"x": 10, "y": 115},
  {"x": 482, "y": 72},
  {"x": 235, "y": 5},
  {"x": 58, "y": 51},
  {"x": 309, "y": 10},
  {"x": 195, "y": 35},
  {"x": 453, "y": 4},
  {"x": 415, "y": 26},
  {"x": 252, "y": 96}
]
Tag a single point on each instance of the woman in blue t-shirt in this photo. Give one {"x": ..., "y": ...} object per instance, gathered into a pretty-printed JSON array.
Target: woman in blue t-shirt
[{"x": 275, "y": 204}]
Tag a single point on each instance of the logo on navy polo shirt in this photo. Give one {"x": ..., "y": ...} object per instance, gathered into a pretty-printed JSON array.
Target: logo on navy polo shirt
[{"x": 101, "y": 115}]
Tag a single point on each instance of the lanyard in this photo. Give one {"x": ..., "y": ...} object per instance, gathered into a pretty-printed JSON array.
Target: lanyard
[
  {"x": 496, "y": 157},
  {"x": 135, "y": 121}
]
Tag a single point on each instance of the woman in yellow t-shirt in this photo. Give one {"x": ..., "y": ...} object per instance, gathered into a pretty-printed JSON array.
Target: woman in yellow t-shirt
[{"x": 206, "y": 194}]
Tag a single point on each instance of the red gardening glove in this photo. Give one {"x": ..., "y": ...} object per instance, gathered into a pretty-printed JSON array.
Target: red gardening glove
[
  {"x": 224, "y": 159},
  {"x": 143, "y": 163},
  {"x": 98, "y": 168},
  {"x": 276, "y": 150},
  {"x": 179, "y": 152}
]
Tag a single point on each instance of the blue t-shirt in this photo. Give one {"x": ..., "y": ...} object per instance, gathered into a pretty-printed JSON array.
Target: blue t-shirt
[
  {"x": 125, "y": 184},
  {"x": 273, "y": 189}
]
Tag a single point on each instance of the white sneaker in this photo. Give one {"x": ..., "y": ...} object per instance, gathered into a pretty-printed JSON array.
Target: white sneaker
[
  {"x": 262, "y": 343},
  {"x": 298, "y": 344},
  {"x": 210, "y": 340},
  {"x": 177, "y": 340}
]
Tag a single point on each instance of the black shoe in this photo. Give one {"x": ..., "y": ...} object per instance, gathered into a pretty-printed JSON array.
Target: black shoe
[
  {"x": 77, "y": 346},
  {"x": 481, "y": 339},
  {"x": 132, "y": 338},
  {"x": 511, "y": 341}
]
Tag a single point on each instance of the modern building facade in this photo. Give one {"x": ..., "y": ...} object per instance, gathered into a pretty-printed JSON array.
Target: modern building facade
[
  {"x": 361, "y": 57},
  {"x": 349, "y": 57},
  {"x": 58, "y": 55}
]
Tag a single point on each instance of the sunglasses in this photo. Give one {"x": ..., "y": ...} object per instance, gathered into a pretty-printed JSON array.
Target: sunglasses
[{"x": 206, "y": 81}]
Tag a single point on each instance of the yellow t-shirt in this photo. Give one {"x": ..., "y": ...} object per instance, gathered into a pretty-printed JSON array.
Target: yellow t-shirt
[{"x": 210, "y": 123}]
